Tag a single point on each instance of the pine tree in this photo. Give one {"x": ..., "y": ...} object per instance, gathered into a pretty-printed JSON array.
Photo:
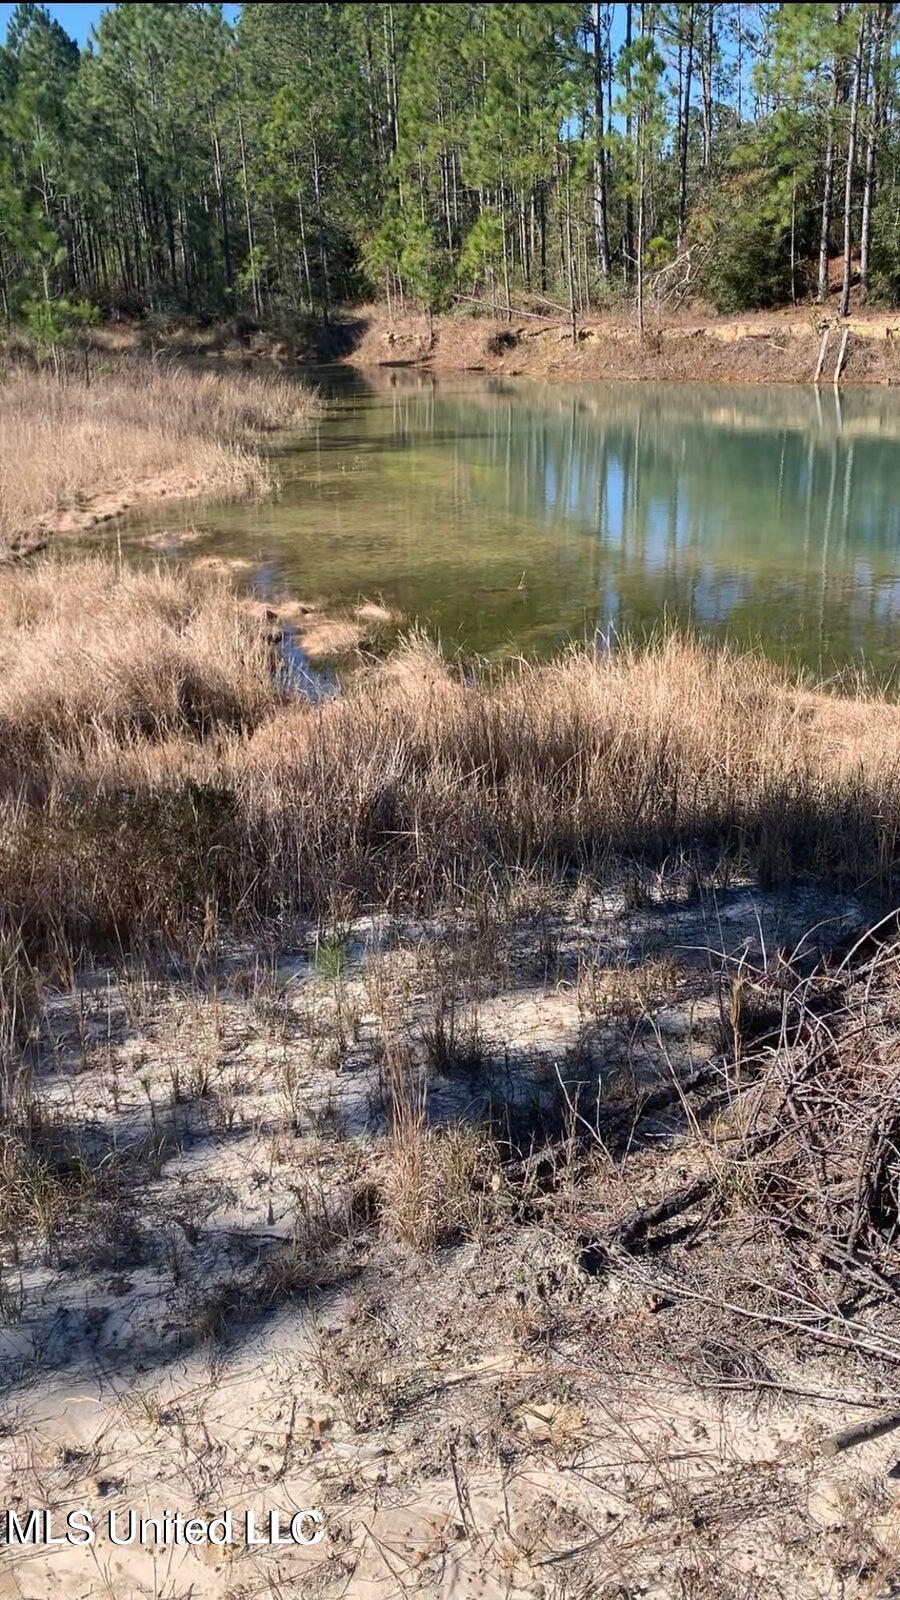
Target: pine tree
[{"x": 544, "y": 153}]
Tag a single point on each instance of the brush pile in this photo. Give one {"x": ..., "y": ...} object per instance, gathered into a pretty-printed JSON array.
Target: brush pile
[{"x": 788, "y": 1228}]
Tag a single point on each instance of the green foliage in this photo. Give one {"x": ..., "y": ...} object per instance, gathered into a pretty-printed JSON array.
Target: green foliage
[
  {"x": 424, "y": 267},
  {"x": 312, "y": 153},
  {"x": 482, "y": 250},
  {"x": 886, "y": 249},
  {"x": 766, "y": 207},
  {"x": 52, "y": 324},
  {"x": 253, "y": 268},
  {"x": 749, "y": 268}
]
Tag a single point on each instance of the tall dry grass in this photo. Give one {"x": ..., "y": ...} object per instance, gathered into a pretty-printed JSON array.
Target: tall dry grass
[
  {"x": 95, "y": 656},
  {"x": 139, "y": 431},
  {"x": 152, "y": 769},
  {"x": 417, "y": 782}
]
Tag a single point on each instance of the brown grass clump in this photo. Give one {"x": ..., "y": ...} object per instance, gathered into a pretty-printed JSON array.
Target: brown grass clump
[
  {"x": 325, "y": 638},
  {"x": 439, "y": 1184},
  {"x": 433, "y": 783},
  {"x": 93, "y": 658},
  {"x": 76, "y": 453},
  {"x": 153, "y": 767}
]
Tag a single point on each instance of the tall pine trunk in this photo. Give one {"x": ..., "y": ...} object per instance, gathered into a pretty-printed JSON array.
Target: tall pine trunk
[
  {"x": 706, "y": 77},
  {"x": 601, "y": 224},
  {"x": 323, "y": 243},
  {"x": 222, "y": 200},
  {"x": 570, "y": 265},
  {"x": 877, "y": 64},
  {"x": 851, "y": 161},
  {"x": 248, "y": 216},
  {"x": 828, "y": 187},
  {"x": 640, "y": 236},
  {"x": 685, "y": 116},
  {"x": 629, "y": 203}
]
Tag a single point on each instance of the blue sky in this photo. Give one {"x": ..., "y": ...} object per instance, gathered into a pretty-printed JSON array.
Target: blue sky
[{"x": 77, "y": 20}]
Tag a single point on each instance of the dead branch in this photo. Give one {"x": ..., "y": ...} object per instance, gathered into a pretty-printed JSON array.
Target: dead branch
[{"x": 860, "y": 1433}]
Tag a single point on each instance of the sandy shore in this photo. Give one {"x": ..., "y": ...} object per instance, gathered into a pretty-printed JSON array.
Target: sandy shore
[{"x": 765, "y": 347}]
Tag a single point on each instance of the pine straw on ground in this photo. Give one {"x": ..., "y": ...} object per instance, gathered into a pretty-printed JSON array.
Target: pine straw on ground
[
  {"x": 139, "y": 431},
  {"x": 762, "y": 1233}
]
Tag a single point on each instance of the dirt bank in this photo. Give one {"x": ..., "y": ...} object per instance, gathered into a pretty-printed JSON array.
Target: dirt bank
[{"x": 765, "y": 347}]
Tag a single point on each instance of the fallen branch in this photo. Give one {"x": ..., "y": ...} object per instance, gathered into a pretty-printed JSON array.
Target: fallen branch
[
  {"x": 862, "y": 1345},
  {"x": 860, "y": 1433},
  {"x": 514, "y": 311},
  {"x": 636, "y": 1227}
]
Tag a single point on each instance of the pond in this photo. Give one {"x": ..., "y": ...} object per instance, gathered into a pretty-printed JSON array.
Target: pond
[{"x": 514, "y": 516}]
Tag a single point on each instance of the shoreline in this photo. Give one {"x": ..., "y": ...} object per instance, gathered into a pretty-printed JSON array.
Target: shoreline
[
  {"x": 79, "y": 453},
  {"x": 762, "y": 348},
  {"x": 779, "y": 347},
  {"x": 107, "y": 505}
]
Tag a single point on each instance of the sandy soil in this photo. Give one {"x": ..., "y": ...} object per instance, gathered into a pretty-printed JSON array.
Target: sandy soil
[
  {"x": 106, "y": 506},
  {"x": 687, "y": 345},
  {"x": 486, "y": 1420},
  {"x": 763, "y": 347}
]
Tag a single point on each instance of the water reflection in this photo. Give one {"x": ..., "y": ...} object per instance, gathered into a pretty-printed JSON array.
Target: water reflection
[{"x": 520, "y": 514}]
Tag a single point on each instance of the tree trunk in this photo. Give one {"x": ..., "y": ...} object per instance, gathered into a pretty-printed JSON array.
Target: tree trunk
[
  {"x": 4, "y": 295},
  {"x": 170, "y": 242},
  {"x": 445, "y": 195},
  {"x": 390, "y": 63},
  {"x": 248, "y": 218},
  {"x": 570, "y": 265},
  {"x": 685, "y": 116},
  {"x": 828, "y": 188},
  {"x": 851, "y": 160},
  {"x": 506, "y": 292},
  {"x": 601, "y": 226},
  {"x": 793, "y": 244},
  {"x": 523, "y": 243},
  {"x": 629, "y": 204},
  {"x": 706, "y": 75},
  {"x": 223, "y": 208},
  {"x": 640, "y": 240},
  {"x": 323, "y": 245},
  {"x": 374, "y": 119},
  {"x": 542, "y": 217},
  {"x": 881, "y": 20},
  {"x": 304, "y": 253},
  {"x": 739, "y": 36}
]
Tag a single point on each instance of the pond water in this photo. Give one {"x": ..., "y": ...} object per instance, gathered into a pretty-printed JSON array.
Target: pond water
[{"x": 512, "y": 515}]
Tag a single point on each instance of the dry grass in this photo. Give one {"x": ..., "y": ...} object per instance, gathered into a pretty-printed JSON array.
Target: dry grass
[
  {"x": 159, "y": 780},
  {"x": 417, "y": 784},
  {"x": 92, "y": 656},
  {"x": 81, "y": 451},
  {"x": 155, "y": 773},
  {"x": 437, "y": 1185}
]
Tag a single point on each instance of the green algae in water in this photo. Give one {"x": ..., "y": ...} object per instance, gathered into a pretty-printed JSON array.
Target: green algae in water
[{"x": 514, "y": 516}]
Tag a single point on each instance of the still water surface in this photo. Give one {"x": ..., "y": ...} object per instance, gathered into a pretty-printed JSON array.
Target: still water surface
[{"x": 510, "y": 515}]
